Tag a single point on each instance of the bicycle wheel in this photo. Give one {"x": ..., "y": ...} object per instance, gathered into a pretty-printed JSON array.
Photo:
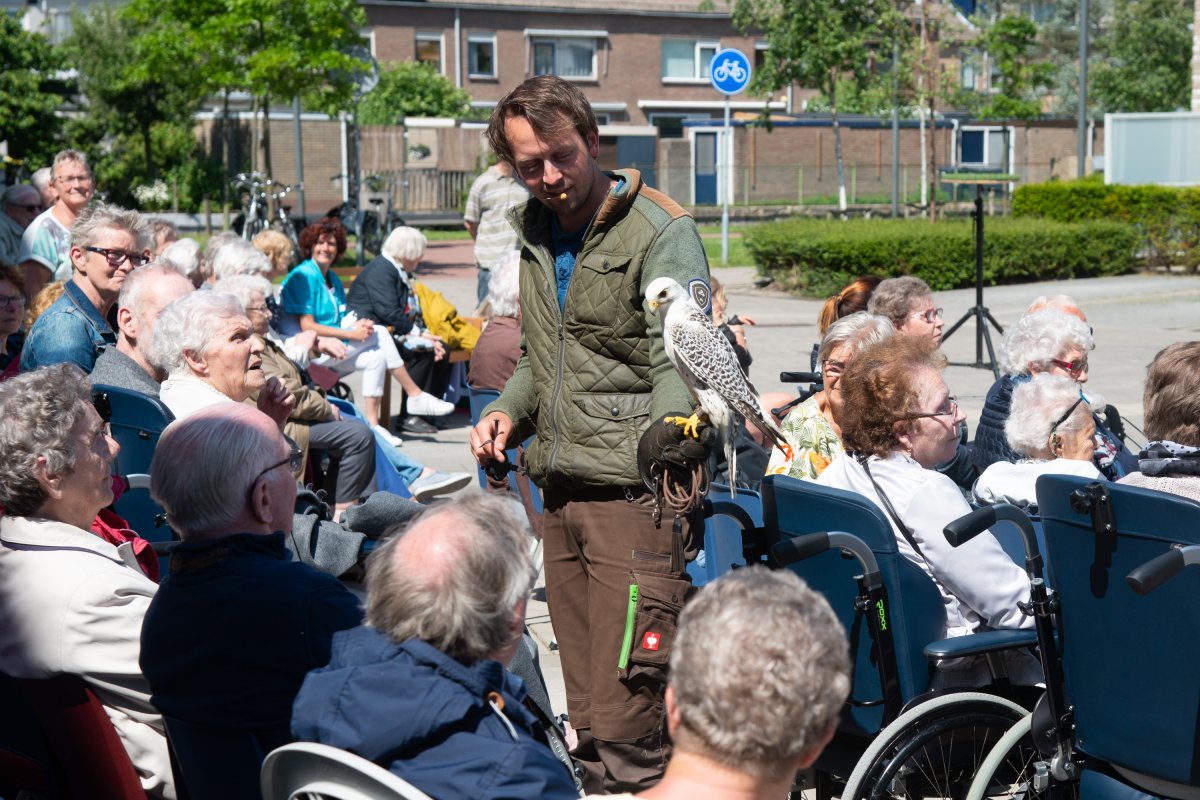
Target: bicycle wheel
[
  {"x": 372, "y": 237},
  {"x": 1014, "y": 768},
  {"x": 934, "y": 749}
]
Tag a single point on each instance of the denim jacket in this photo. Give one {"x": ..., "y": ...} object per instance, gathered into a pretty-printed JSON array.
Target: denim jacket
[{"x": 71, "y": 330}]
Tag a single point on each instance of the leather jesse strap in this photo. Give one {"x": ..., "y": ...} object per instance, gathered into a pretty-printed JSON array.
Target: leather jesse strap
[{"x": 862, "y": 459}]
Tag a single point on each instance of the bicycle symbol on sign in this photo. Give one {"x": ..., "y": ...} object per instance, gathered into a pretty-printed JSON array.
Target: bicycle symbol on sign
[{"x": 730, "y": 69}]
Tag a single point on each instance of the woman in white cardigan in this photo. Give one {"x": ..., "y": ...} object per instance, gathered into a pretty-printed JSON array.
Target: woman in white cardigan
[
  {"x": 71, "y": 601},
  {"x": 899, "y": 421}
]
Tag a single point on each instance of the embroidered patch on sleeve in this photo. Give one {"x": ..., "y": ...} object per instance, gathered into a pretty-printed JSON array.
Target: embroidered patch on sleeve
[{"x": 700, "y": 293}]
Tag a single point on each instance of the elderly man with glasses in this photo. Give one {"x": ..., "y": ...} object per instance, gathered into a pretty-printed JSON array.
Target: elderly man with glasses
[
  {"x": 107, "y": 242},
  {"x": 236, "y": 624},
  {"x": 19, "y": 205},
  {"x": 46, "y": 244}
]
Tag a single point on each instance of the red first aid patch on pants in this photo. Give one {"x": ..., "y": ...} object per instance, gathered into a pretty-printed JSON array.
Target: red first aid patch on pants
[{"x": 651, "y": 641}]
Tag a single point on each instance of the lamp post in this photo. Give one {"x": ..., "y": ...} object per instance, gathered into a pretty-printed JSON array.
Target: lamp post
[{"x": 1081, "y": 155}]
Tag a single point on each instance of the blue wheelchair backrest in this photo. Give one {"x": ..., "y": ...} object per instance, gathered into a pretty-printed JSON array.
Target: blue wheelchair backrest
[
  {"x": 1130, "y": 662},
  {"x": 793, "y": 508},
  {"x": 137, "y": 422},
  {"x": 723, "y": 532}
]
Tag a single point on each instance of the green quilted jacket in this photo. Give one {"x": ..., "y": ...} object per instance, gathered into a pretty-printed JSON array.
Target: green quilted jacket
[{"x": 592, "y": 376}]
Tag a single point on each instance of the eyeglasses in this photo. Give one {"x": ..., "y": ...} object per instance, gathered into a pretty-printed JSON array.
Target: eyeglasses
[
  {"x": 929, "y": 315},
  {"x": 1076, "y": 367},
  {"x": 1067, "y": 415},
  {"x": 294, "y": 459},
  {"x": 116, "y": 258},
  {"x": 949, "y": 408},
  {"x": 9, "y": 302},
  {"x": 74, "y": 179},
  {"x": 258, "y": 309}
]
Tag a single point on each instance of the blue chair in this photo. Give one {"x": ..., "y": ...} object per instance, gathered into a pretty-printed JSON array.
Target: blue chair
[
  {"x": 724, "y": 540},
  {"x": 891, "y": 722},
  {"x": 137, "y": 421},
  {"x": 480, "y": 398},
  {"x": 1129, "y": 661}
]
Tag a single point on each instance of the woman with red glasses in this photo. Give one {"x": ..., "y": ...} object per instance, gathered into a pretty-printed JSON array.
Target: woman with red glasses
[
  {"x": 899, "y": 422},
  {"x": 1050, "y": 341}
]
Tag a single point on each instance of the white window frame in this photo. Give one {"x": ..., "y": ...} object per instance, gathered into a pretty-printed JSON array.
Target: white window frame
[
  {"x": 483, "y": 38},
  {"x": 699, "y": 63},
  {"x": 536, "y": 36},
  {"x": 431, "y": 36}
]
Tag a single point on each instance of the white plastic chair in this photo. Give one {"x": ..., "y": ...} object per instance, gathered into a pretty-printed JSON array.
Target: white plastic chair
[{"x": 321, "y": 772}]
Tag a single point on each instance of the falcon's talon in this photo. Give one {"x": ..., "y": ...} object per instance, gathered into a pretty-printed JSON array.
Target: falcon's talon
[{"x": 690, "y": 425}]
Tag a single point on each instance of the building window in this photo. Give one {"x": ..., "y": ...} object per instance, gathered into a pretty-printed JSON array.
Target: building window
[
  {"x": 966, "y": 73},
  {"x": 565, "y": 57},
  {"x": 687, "y": 59},
  {"x": 429, "y": 49},
  {"x": 481, "y": 55}
]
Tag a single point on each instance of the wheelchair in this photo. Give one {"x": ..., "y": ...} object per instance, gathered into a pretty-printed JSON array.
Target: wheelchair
[
  {"x": 1101, "y": 731},
  {"x": 898, "y": 736}
]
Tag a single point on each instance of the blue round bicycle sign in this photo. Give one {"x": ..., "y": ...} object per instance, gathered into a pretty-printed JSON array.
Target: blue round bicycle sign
[{"x": 729, "y": 71}]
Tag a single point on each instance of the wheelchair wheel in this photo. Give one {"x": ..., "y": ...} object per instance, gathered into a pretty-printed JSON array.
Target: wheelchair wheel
[
  {"x": 1014, "y": 768},
  {"x": 934, "y": 749}
]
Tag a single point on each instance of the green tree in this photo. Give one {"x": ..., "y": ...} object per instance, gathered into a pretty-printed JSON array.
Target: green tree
[
  {"x": 124, "y": 79},
  {"x": 29, "y": 93},
  {"x": 1024, "y": 76},
  {"x": 412, "y": 89},
  {"x": 1149, "y": 53},
  {"x": 271, "y": 49},
  {"x": 818, "y": 43}
]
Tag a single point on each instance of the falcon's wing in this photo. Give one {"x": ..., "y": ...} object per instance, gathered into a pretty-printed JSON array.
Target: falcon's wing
[{"x": 706, "y": 359}]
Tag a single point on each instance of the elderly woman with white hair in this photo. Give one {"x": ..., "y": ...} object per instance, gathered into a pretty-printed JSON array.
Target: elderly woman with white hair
[
  {"x": 1047, "y": 341},
  {"x": 313, "y": 420},
  {"x": 1051, "y": 426},
  {"x": 494, "y": 359},
  {"x": 812, "y": 428},
  {"x": 205, "y": 344},
  {"x": 185, "y": 256},
  {"x": 908, "y": 302},
  {"x": 385, "y": 293},
  {"x": 73, "y": 602}
]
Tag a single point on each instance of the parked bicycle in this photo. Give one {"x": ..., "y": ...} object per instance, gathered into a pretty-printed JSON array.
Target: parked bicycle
[
  {"x": 369, "y": 226},
  {"x": 256, "y": 213}
]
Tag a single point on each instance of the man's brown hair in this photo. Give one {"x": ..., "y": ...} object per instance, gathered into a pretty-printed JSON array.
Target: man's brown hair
[{"x": 552, "y": 106}]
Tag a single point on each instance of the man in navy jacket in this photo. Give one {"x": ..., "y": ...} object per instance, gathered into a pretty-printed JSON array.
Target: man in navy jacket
[{"x": 421, "y": 689}]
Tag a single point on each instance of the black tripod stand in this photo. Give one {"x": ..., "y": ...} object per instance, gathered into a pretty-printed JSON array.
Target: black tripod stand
[{"x": 979, "y": 313}]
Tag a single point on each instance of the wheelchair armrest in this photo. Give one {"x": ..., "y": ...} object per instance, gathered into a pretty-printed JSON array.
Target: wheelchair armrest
[{"x": 979, "y": 643}]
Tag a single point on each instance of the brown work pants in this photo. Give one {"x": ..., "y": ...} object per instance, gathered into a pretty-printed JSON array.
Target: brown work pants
[{"x": 614, "y": 649}]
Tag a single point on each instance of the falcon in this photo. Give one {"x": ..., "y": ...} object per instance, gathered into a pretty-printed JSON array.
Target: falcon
[{"x": 706, "y": 361}]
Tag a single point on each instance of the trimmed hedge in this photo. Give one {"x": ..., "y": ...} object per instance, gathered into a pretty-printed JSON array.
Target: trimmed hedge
[
  {"x": 1166, "y": 218},
  {"x": 819, "y": 257}
]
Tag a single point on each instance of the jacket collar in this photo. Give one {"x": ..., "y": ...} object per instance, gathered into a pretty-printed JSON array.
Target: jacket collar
[
  {"x": 80, "y": 300},
  {"x": 48, "y": 534}
]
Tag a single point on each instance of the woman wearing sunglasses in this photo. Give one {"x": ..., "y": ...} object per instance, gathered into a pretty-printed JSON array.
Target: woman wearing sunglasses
[
  {"x": 107, "y": 243},
  {"x": 1044, "y": 342},
  {"x": 1051, "y": 426},
  {"x": 899, "y": 421}
]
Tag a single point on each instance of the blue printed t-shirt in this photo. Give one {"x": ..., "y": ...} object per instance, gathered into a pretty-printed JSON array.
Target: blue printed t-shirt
[
  {"x": 566, "y": 246},
  {"x": 305, "y": 291}
]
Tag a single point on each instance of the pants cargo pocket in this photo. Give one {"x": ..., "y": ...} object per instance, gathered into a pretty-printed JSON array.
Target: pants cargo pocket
[{"x": 651, "y": 619}]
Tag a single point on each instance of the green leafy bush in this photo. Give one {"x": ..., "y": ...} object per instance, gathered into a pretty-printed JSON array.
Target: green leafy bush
[
  {"x": 1167, "y": 219},
  {"x": 818, "y": 257}
]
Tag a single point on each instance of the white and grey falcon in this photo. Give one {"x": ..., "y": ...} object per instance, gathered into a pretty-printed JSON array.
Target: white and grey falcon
[{"x": 706, "y": 361}]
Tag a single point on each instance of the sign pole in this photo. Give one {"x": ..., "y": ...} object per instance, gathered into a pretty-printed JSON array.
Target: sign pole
[
  {"x": 727, "y": 156},
  {"x": 729, "y": 73}
]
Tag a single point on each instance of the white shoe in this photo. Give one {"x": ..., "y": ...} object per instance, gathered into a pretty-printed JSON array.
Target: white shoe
[
  {"x": 426, "y": 405},
  {"x": 438, "y": 483},
  {"x": 388, "y": 436}
]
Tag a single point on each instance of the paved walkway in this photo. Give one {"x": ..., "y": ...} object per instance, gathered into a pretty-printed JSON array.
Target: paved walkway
[{"x": 1133, "y": 316}]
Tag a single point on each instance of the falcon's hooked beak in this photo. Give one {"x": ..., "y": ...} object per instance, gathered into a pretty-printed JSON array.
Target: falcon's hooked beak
[{"x": 658, "y": 300}]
